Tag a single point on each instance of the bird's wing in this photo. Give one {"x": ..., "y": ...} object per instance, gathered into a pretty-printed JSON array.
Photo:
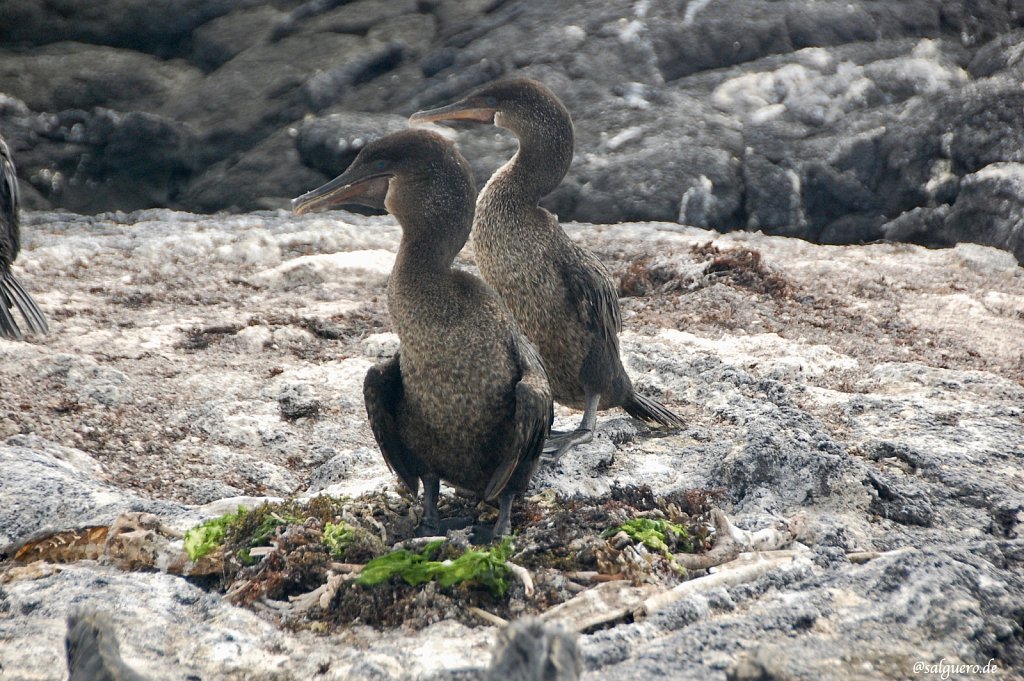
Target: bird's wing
[
  {"x": 10, "y": 243},
  {"x": 589, "y": 285},
  {"x": 382, "y": 391},
  {"x": 534, "y": 413}
]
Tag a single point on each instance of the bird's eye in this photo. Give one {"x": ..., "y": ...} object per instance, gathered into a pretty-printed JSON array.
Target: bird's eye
[
  {"x": 380, "y": 165},
  {"x": 491, "y": 101}
]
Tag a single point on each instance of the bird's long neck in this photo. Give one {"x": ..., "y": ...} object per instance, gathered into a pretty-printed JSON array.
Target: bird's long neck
[
  {"x": 507, "y": 213},
  {"x": 419, "y": 290},
  {"x": 423, "y": 259},
  {"x": 436, "y": 219},
  {"x": 538, "y": 166}
]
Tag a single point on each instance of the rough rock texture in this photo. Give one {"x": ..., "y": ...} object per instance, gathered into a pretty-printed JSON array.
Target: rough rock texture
[
  {"x": 195, "y": 362},
  {"x": 838, "y": 122}
]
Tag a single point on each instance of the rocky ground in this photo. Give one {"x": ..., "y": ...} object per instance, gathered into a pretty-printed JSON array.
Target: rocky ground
[
  {"x": 836, "y": 121},
  {"x": 866, "y": 398}
]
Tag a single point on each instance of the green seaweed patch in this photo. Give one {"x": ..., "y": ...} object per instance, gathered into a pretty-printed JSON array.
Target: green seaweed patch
[
  {"x": 204, "y": 538},
  {"x": 487, "y": 567},
  {"x": 656, "y": 534},
  {"x": 338, "y": 537},
  {"x": 262, "y": 533}
]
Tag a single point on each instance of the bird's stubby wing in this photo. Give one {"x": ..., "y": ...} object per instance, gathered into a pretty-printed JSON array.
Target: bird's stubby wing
[
  {"x": 10, "y": 238},
  {"x": 589, "y": 285},
  {"x": 12, "y": 293},
  {"x": 534, "y": 413},
  {"x": 382, "y": 391}
]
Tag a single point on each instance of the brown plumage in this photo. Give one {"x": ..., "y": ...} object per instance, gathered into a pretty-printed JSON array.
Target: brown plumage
[
  {"x": 466, "y": 399},
  {"x": 92, "y": 649},
  {"x": 532, "y": 650},
  {"x": 12, "y": 293},
  {"x": 561, "y": 294}
]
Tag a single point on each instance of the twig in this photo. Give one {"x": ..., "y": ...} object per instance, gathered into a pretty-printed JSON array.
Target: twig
[
  {"x": 523, "y": 575},
  {"x": 593, "y": 576},
  {"x": 607, "y": 602},
  {"x": 865, "y": 556},
  {"x": 731, "y": 541},
  {"x": 746, "y": 568},
  {"x": 320, "y": 596},
  {"x": 415, "y": 543},
  {"x": 487, "y": 616},
  {"x": 261, "y": 551},
  {"x": 861, "y": 557}
]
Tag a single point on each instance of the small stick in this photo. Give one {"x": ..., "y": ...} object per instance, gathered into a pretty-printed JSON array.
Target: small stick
[
  {"x": 488, "y": 617},
  {"x": 592, "y": 576},
  {"x": 523, "y": 575}
]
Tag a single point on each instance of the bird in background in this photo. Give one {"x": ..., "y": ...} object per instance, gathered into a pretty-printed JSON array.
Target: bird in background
[
  {"x": 12, "y": 293},
  {"x": 466, "y": 398},
  {"x": 562, "y": 296}
]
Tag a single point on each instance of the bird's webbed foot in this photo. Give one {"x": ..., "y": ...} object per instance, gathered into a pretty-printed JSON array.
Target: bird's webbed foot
[{"x": 557, "y": 445}]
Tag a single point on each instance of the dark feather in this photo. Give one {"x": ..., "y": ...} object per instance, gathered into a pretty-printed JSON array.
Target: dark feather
[
  {"x": 15, "y": 293},
  {"x": 382, "y": 392},
  {"x": 8, "y": 327},
  {"x": 533, "y": 416},
  {"x": 12, "y": 294},
  {"x": 10, "y": 200},
  {"x": 589, "y": 285},
  {"x": 652, "y": 411}
]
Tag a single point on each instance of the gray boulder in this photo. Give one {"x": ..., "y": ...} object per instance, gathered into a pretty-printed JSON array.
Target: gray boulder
[
  {"x": 70, "y": 75},
  {"x": 825, "y": 120},
  {"x": 156, "y": 26},
  {"x": 330, "y": 143},
  {"x": 102, "y": 159}
]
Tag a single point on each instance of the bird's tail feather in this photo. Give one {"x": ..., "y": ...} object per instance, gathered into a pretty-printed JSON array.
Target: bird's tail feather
[
  {"x": 652, "y": 411},
  {"x": 11, "y": 291},
  {"x": 8, "y": 327}
]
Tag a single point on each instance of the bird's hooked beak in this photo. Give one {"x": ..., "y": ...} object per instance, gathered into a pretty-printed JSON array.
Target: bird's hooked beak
[
  {"x": 466, "y": 110},
  {"x": 352, "y": 187}
]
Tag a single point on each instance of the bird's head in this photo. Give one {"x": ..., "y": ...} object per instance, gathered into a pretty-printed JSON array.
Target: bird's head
[{"x": 522, "y": 105}]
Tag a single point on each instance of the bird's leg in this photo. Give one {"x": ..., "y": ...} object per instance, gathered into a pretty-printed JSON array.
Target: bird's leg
[
  {"x": 559, "y": 444},
  {"x": 503, "y": 525},
  {"x": 430, "y": 525}
]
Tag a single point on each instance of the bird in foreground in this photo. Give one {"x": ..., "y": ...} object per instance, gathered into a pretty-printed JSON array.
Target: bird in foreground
[
  {"x": 92, "y": 649},
  {"x": 12, "y": 293},
  {"x": 561, "y": 294},
  {"x": 466, "y": 398},
  {"x": 530, "y": 650},
  {"x": 525, "y": 650}
]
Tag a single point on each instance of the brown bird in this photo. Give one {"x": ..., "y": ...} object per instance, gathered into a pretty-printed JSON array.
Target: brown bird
[
  {"x": 531, "y": 650},
  {"x": 466, "y": 398},
  {"x": 561, "y": 294},
  {"x": 92, "y": 649},
  {"x": 12, "y": 293}
]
